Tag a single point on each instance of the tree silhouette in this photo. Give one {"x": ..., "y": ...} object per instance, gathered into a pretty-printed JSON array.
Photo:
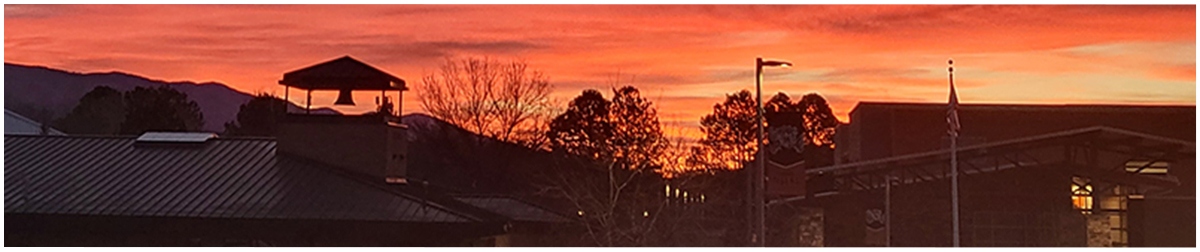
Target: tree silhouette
[
  {"x": 584, "y": 128},
  {"x": 637, "y": 140},
  {"x": 160, "y": 109},
  {"x": 506, "y": 101},
  {"x": 258, "y": 117},
  {"x": 608, "y": 171},
  {"x": 819, "y": 122},
  {"x": 730, "y": 132},
  {"x": 99, "y": 112},
  {"x": 624, "y": 131}
]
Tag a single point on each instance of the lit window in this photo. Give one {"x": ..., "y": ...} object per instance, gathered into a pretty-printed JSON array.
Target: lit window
[{"x": 1081, "y": 194}]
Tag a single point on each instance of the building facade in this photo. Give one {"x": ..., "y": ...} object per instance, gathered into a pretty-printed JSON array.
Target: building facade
[{"x": 1030, "y": 175}]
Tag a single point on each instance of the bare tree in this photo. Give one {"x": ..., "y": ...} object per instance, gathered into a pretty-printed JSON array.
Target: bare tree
[{"x": 507, "y": 101}]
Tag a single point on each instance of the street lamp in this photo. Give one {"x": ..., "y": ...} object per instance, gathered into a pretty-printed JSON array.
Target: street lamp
[{"x": 760, "y": 231}]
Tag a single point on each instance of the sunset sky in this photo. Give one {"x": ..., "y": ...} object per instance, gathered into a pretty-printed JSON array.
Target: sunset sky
[{"x": 685, "y": 57}]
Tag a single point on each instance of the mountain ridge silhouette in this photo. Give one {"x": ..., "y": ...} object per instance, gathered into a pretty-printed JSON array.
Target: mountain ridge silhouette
[{"x": 28, "y": 88}]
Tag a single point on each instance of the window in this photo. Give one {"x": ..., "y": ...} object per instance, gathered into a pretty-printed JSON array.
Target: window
[
  {"x": 1081, "y": 194},
  {"x": 1147, "y": 167}
]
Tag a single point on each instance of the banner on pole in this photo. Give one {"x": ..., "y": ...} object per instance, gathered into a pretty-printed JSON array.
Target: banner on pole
[
  {"x": 785, "y": 154},
  {"x": 876, "y": 223}
]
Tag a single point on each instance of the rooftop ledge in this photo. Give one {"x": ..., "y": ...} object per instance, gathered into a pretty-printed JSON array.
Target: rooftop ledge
[{"x": 366, "y": 119}]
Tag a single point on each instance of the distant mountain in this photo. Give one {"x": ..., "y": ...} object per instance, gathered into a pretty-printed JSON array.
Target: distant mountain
[{"x": 31, "y": 90}]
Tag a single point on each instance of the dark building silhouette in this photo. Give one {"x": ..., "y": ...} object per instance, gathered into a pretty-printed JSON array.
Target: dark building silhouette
[
  {"x": 1030, "y": 175},
  {"x": 879, "y": 130}
]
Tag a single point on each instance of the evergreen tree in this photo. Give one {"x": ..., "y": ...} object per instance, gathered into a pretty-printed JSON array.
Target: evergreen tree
[
  {"x": 160, "y": 109},
  {"x": 99, "y": 112},
  {"x": 258, "y": 117}
]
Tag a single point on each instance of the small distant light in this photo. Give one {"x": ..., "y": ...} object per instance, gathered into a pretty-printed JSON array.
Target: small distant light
[
  {"x": 580, "y": 212},
  {"x": 645, "y": 214}
]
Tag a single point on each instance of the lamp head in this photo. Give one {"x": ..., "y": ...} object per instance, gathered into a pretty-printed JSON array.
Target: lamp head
[{"x": 773, "y": 63}]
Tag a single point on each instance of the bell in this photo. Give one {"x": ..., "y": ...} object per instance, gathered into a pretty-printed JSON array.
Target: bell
[{"x": 344, "y": 98}]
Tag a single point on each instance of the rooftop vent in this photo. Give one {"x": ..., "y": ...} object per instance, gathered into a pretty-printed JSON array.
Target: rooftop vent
[{"x": 175, "y": 137}]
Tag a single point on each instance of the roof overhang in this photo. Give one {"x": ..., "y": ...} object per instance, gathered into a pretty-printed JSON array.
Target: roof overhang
[
  {"x": 1098, "y": 152},
  {"x": 342, "y": 73}
]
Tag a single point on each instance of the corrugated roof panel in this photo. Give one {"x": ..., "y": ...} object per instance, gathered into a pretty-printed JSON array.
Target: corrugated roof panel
[{"x": 224, "y": 178}]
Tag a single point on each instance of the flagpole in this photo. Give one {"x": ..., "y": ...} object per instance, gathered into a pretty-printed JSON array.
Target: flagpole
[
  {"x": 954, "y": 179},
  {"x": 954, "y": 154},
  {"x": 887, "y": 211}
]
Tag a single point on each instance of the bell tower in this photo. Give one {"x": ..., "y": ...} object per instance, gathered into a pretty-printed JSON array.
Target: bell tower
[{"x": 372, "y": 144}]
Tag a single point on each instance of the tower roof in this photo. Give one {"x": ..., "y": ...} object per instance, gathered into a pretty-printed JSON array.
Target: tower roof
[{"x": 342, "y": 73}]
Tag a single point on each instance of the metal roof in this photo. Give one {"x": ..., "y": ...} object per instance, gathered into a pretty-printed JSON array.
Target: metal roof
[
  {"x": 222, "y": 178},
  {"x": 342, "y": 73},
  {"x": 512, "y": 208},
  {"x": 16, "y": 124}
]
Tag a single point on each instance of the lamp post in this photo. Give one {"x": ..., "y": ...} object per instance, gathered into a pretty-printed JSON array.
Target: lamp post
[{"x": 760, "y": 216}]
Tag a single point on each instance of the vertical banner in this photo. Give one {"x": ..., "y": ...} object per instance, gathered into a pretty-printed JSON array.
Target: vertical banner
[
  {"x": 875, "y": 219},
  {"x": 876, "y": 222},
  {"x": 785, "y": 154}
]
